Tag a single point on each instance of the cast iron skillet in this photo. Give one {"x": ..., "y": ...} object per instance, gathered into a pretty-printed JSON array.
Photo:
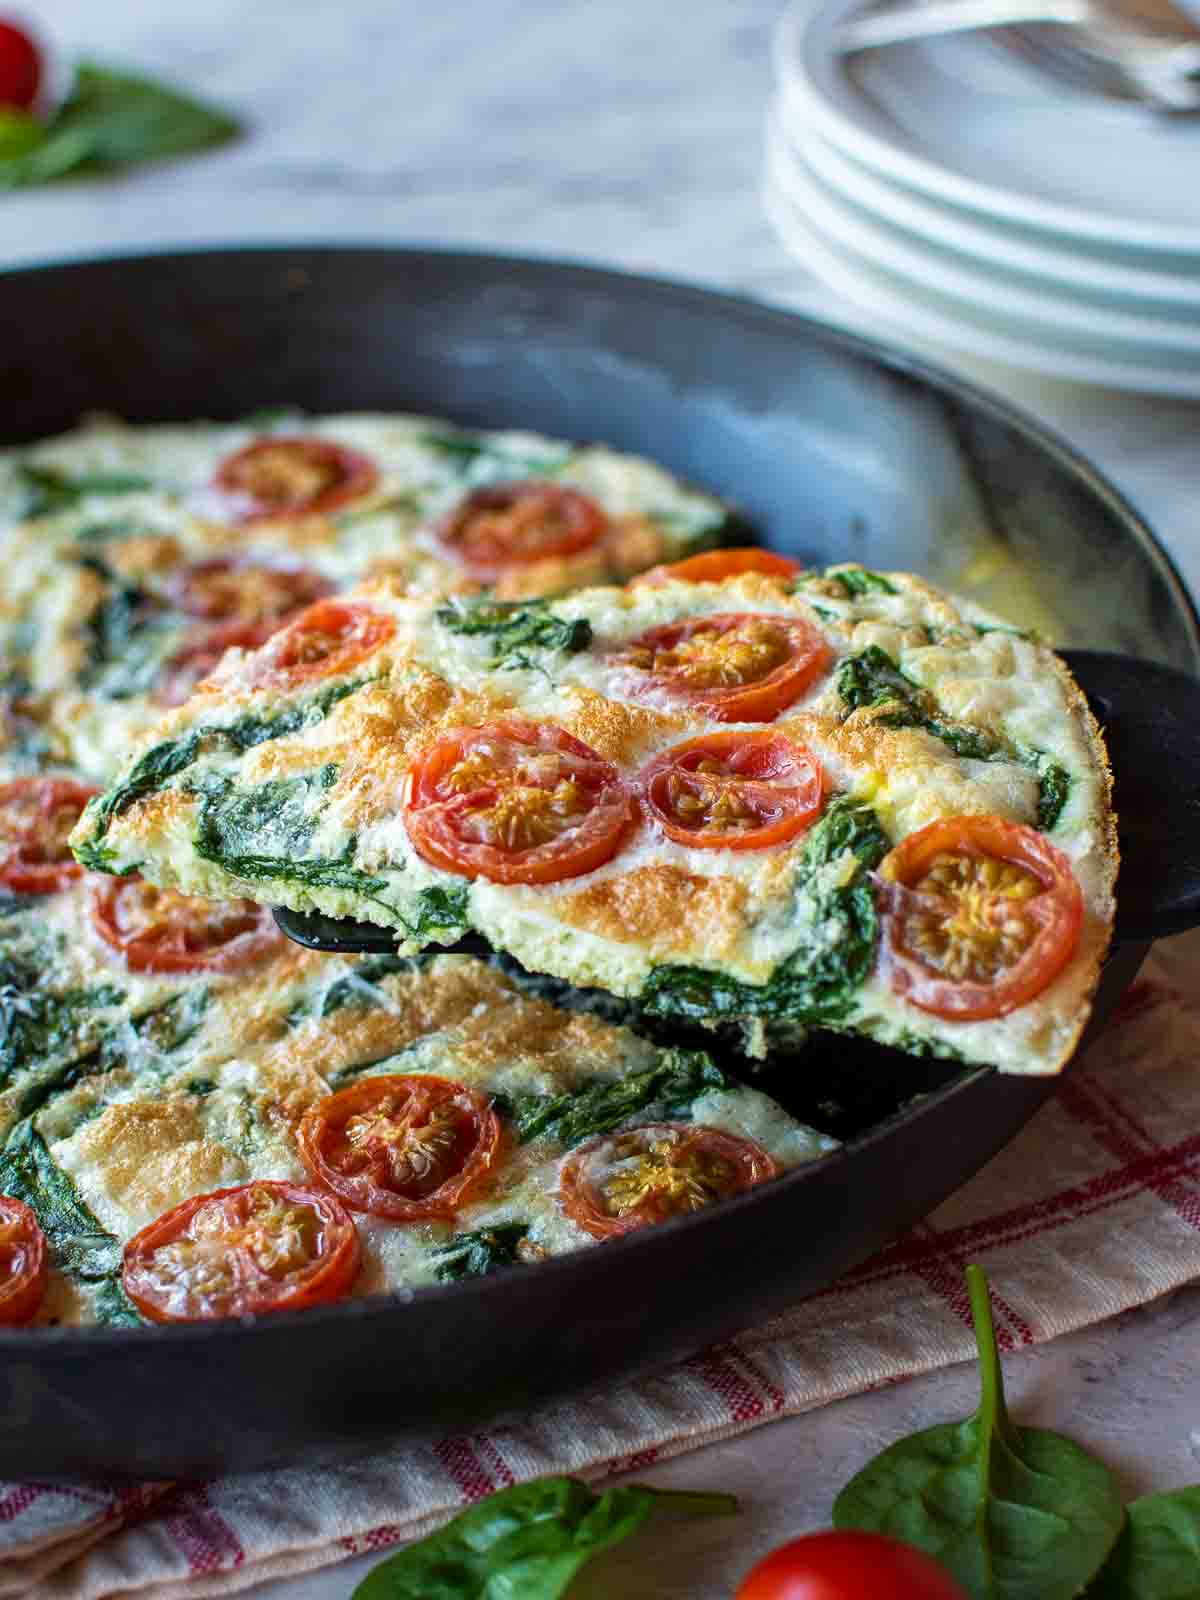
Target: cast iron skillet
[{"x": 834, "y": 448}]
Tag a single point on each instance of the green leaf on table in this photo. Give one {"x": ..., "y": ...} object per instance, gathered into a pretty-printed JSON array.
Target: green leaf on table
[
  {"x": 109, "y": 120},
  {"x": 527, "y": 1542},
  {"x": 1013, "y": 1513},
  {"x": 1157, "y": 1557}
]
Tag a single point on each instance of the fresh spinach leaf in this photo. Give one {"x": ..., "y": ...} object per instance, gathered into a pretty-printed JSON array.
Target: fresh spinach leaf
[
  {"x": 1157, "y": 1556},
  {"x": 665, "y": 1090},
  {"x": 111, "y": 120},
  {"x": 527, "y": 1542},
  {"x": 817, "y": 984},
  {"x": 474, "y": 1255},
  {"x": 516, "y": 628},
  {"x": 1014, "y": 1513},
  {"x": 79, "y": 1246},
  {"x": 47, "y": 490}
]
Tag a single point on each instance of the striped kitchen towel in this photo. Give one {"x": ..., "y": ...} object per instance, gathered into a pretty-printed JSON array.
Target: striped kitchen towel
[{"x": 1095, "y": 1208}]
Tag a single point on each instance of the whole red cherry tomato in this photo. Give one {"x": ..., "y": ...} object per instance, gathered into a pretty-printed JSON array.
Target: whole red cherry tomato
[
  {"x": 848, "y": 1566},
  {"x": 20, "y": 67}
]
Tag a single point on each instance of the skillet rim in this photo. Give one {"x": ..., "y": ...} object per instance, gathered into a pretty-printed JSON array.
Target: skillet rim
[{"x": 877, "y": 352}]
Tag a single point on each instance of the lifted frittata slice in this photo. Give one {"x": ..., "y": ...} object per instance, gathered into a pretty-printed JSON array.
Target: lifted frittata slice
[
  {"x": 493, "y": 1130},
  {"x": 850, "y": 800}
]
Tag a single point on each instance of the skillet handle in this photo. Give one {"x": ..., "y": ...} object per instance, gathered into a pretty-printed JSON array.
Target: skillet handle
[{"x": 1150, "y": 715}]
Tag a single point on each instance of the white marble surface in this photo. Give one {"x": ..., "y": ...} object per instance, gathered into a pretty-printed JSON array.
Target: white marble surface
[{"x": 625, "y": 133}]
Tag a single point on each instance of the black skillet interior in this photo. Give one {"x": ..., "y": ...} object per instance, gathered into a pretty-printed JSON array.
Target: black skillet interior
[{"x": 833, "y": 448}]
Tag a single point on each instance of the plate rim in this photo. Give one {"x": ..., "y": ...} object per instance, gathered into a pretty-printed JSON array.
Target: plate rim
[{"x": 794, "y": 47}]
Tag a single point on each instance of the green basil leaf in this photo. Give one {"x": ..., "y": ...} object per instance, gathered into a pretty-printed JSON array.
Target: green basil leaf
[
  {"x": 114, "y": 119},
  {"x": 1157, "y": 1557},
  {"x": 525, "y": 1543},
  {"x": 1014, "y": 1513}
]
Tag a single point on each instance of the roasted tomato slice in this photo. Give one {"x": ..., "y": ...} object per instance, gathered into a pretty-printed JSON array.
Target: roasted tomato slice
[
  {"x": 36, "y": 818},
  {"x": 327, "y": 639},
  {"x": 182, "y": 673},
  {"x": 224, "y": 590},
  {"x": 22, "y": 1263},
  {"x": 738, "y": 666},
  {"x": 733, "y": 791},
  {"x": 263, "y": 1246},
  {"x": 158, "y": 930},
  {"x": 281, "y": 478},
  {"x": 710, "y": 566},
  {"x": 623, "y": 1181},
  {"x": 516, "y": 802},
  {"x": 980, "y": 915},
  {"x": 405, "y": 1147},
  {"x": 508, "y": 524}
]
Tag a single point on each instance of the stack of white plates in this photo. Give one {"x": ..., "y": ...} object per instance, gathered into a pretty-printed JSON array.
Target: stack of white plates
[{"x": 960, "y": 198}]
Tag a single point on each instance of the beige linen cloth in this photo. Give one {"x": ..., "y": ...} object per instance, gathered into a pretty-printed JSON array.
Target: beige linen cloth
[{"x": 1095, "y": 1208}]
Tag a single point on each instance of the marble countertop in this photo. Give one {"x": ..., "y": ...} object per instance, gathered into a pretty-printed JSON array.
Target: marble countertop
[{"x": 626, "y": 134}]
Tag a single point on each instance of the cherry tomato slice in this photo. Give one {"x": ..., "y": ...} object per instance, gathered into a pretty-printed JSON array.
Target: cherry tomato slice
[
  {"x": 509, "y": 524},
  {"x": 323, "y": 641},
  {"x": 20, "y": 68},
  {"x": 711, "y": 566},
  {"x": 183, "y": 673},
  {"x": 259, "y": 1247},
  {"x": 158, "y": 930},
  {"x": 848, "y": 1566},
  {"x": 623, "y": 1181},
  {"x": 407, "y": 1147},
  {"x": 733, "y": 791},
  {"x": 36, "y": 819},
  {"x": 980, "y": 915},
  {"x": 737, "y": 666},
  {"x": 515, "y": 802},
  {"x": 224, "y": 590},
  {"x": 23, "y": 1263},
  {"x": 299, "y": 477}
]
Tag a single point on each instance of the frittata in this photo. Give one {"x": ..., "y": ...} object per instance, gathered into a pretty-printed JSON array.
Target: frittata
[{"x": 845, "y": 800}]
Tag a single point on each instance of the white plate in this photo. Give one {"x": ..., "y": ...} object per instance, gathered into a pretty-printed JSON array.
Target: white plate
[
  {"x": 1176, "y": 293},
  {"x": 1105, "y": 174},
  {"x": 880, "y": 302},
  {"x": 1062, "y": 321}
]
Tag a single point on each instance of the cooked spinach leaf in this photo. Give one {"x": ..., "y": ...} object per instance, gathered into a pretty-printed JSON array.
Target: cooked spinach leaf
[
  {"x": 47, "y": 490},
  {"x": 128, "y": 634},
  {"x": 817, "y": 984},
  {"x": 79, "y": 1246},
  {"x": 474, "y": 1255},
  {"x": 482, "y": 460},
  {"x": 1012, "y": 1512},
  {"x": 42, "y": 1028},
  {"x": 438, "y": 912},
  {"x": 173, "y": 756},
  {"x": 527, "y": 1542},
  {"x": 1157, "y": 1556},
  {"x": 872, "y": 678},
  {"x": 516, "y": 628},
  {"x": 111, "y": 120},
  {"x": 1054, "y": 789},
  {"x": 860, "y": 580},
  {"x": 358, "y": 987},
  {"x": 665, "y": 1090}
]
